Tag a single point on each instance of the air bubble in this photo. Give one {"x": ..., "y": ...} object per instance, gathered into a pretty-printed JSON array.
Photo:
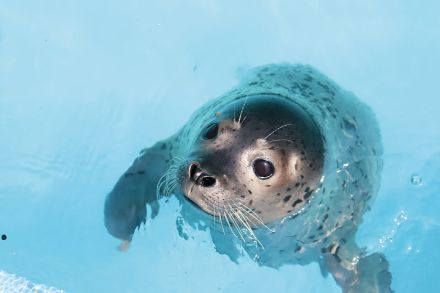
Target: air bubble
[
  {"x": 416, "y": 180},
  {"x": 388, "y": 238}
]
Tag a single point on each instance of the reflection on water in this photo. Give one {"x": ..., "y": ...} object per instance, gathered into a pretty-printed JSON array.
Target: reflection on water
[{"x": 14, "y": 283}]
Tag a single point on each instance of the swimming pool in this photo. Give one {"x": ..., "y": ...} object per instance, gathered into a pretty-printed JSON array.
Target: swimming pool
[{"x": 85, "y": 86}]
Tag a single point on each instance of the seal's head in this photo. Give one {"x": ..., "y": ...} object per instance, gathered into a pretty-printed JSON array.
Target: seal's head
[{"x": 262, "y": 153}]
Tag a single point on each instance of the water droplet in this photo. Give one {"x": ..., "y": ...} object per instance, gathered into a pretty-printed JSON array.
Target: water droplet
[{"x": 416, "y": 180}]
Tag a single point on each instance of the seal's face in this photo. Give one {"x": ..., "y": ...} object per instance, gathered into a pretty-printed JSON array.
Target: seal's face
[{"x": 262, "y": 154}]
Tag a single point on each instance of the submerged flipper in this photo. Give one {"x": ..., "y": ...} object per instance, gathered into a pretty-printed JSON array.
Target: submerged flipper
[
  {"x": 125, "y": 206},
  {"x": 362, "y": 274}
]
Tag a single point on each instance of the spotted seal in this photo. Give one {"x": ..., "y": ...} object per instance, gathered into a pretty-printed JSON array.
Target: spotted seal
[{"x": 283, "y": 166}]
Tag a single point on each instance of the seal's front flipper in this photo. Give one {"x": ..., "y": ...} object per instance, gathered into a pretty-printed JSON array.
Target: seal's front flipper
[
  {"x": 125, "y": 206},
  {"x": 369, "y": 275},
  {"x": 124, "y": 246},
  {"x": 373, "y": 274}
]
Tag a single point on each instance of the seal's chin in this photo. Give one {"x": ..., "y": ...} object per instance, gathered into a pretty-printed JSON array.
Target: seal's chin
[{"x": 193, "y": 203}]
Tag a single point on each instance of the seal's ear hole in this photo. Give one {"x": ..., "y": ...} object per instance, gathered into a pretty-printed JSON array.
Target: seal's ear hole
[
  {"x": 211, "y": 131},
  {"x": 263, "y": 169}
]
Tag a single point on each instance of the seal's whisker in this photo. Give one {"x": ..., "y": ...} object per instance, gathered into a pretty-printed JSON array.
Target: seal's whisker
[
  {"x": 173, "y": 168},
  {"x": 214, "y": 216},
  {"x": 171, "y": 184},
  {"x": 166, "y": 188},
  {"x": 288, "y": 124},
  {"x": 168, "y": 181},
  {"x": 229, "y": 220},
  {"x": 244, "y": 219},
  {"x": 178, "y": 159},
  {"x": 168, "y": 178},
  {"x": 171, "y": 188},
  {"x": 221, "y": 223},
  {"x": 234, "y": 222},
  {"x": 288, "y": 140},
  {"x": 175, "y": 162},
  {"x": 241, "y": 112},
  {"x": 242, "y": 222},
  {"x": 171, "y": 171},
  {"x": 159, "y": 190},
  {"x": 239, "y": 217},
  {"x": 256, "y": 217},
  {"x": 226, "y": 218},
  {"x": 245, "y": 213},
  {"x": 171, "y": 178},
  {"x": 218, "y": 216},
  {"x": 159, "y": 185}
]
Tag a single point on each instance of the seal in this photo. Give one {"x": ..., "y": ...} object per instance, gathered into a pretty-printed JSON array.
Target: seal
[{"x": 283, "y": 167}]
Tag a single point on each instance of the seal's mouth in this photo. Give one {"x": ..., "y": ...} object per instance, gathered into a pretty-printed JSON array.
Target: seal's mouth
[
  {"x": 195, "y": 197},
  {"x": 194, "y": 204}
]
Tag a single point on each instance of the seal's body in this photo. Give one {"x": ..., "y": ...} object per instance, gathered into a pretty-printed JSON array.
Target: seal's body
[{"x": 284, "y": 165}]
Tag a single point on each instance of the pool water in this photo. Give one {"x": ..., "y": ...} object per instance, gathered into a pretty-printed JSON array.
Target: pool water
[{"x": 84, "y": 86}]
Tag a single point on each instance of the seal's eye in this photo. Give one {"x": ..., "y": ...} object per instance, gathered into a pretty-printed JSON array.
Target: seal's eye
[
  {"x": 263, "y": 169},
  {"x": 211, "y": 131}
]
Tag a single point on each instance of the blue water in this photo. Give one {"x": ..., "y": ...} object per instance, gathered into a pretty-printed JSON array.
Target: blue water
[{"x": 85, "y": 85}]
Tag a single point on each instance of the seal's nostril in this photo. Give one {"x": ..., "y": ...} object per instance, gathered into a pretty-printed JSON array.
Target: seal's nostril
[
  {"x": 192, "y": 170},
  {"x": 199, "y": 177},
  {"x": 207, "y": 181}
]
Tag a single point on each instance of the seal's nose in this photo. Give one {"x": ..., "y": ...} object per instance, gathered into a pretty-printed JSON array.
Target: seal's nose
[{"x": 200, "y": 177}]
